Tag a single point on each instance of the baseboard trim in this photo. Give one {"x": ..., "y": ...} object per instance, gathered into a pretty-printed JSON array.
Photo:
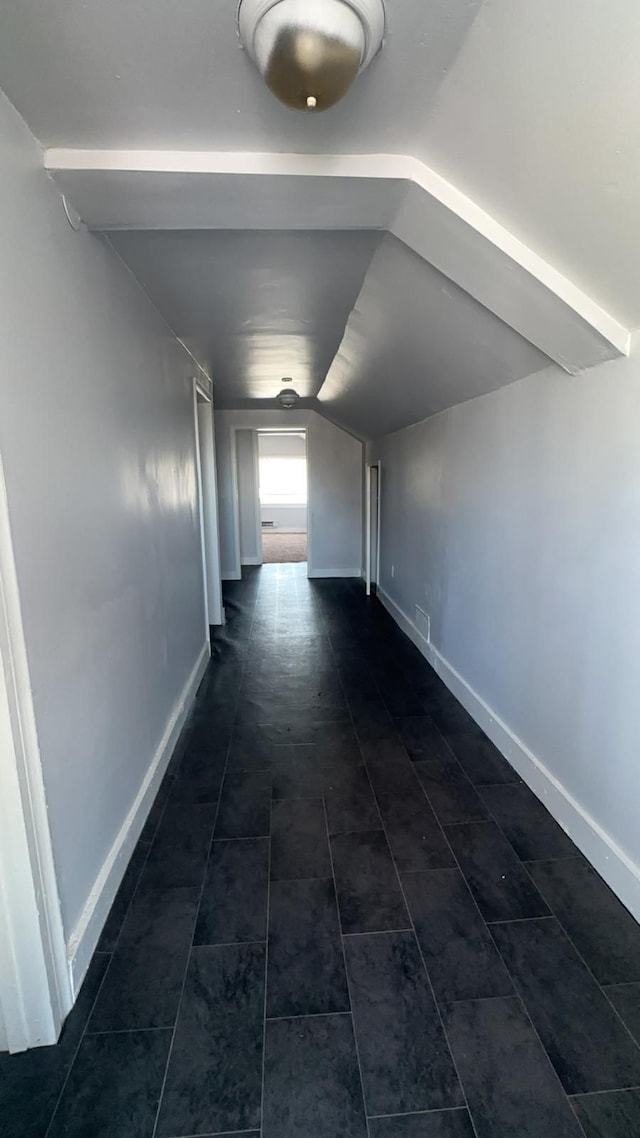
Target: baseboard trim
[
  {"x": 611, "y": 862},
  {"x": 252, "y": 561},
  {"x": 231, "y": 575},
  {"x": 84, "y": 938},
  {"x": 407, "y": 625},
  {"x": 335, "y": 573}
]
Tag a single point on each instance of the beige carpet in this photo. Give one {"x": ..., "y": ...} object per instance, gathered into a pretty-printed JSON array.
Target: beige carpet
[{"x": 283, "y": 548}]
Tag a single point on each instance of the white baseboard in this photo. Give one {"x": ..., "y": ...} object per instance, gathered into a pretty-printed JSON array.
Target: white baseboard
[
  {"x": 231, "y": 575},
  {"x": 339, "y": 572},
  {"x": 84, "y": 938},
  {"x": 611, "y": 862},
  {"x": 252, "y": 561}
]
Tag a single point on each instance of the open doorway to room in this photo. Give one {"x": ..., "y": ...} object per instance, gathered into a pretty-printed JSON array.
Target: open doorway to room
[{"x": 282, "y": 489}]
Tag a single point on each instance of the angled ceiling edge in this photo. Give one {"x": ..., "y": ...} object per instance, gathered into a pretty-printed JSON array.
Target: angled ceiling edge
[{"x": 138, "y": 189}]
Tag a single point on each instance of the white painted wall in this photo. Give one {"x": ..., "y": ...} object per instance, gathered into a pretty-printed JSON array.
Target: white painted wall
[
  {"x": 286, "y": 519},
  {"x": 334, "y": 490},
  {"x": 97, "y": 439},
  {"x": 514, "y": 520},
  {"x": 248, "y": 504}
]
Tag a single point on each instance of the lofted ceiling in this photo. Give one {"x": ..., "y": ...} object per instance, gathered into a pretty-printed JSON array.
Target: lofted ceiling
[{"x": 494, "y": 142}]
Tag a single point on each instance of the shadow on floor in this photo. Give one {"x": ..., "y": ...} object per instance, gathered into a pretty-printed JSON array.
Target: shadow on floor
[{"x": 338, "y": 848}]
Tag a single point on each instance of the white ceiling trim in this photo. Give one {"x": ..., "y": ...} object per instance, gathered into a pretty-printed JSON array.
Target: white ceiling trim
[{"x": 443, "y": 225}]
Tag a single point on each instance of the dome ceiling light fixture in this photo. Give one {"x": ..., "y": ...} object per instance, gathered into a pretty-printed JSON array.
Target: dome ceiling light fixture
[
  {"x": 287, "y": 398},
  {"x": 310, "y": 51}
]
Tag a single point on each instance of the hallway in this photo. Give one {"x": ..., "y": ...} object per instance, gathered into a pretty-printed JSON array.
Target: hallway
[{"x": 440, "y": 960}]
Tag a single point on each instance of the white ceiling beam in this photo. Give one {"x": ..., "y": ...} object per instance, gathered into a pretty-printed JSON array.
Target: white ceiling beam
[{"x": 144, "y": 189}]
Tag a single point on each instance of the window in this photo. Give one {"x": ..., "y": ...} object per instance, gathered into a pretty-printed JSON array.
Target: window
[{"x": 283, "y": 481}]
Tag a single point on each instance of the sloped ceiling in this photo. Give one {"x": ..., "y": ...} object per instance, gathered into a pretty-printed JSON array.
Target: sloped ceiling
[
  {"x": 397, "y": 363},
  {"x": 254, "y": 307},
  {"x": 528, "y": 111}
]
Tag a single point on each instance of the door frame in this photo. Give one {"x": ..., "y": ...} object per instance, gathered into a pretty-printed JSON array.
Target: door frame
[
  {"x": 36, "y": 989},
  {"x": 256, "y": 489},
  {"x": 255, "y": 429},
  {"x": 235, "y": 484},
  {"x": 208, "y": 502},
  {"x": 372, "y": 556},
  {"x": 201, "y": 396}
]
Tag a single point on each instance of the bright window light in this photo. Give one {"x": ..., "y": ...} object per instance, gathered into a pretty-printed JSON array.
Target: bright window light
[{"x": 283, "y": 481}]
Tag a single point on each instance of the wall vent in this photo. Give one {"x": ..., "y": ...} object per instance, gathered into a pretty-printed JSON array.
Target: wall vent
[
  {"x": 423, "y": 623},
  {"x": 269, "y": 525}
]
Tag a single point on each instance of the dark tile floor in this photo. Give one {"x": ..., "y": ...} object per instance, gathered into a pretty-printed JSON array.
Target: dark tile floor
[{"x": 347, "y": 917}]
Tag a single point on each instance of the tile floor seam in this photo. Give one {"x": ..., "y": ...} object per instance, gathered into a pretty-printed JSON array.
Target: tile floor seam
[
  {"x": 608, "y": 1091},
  {"x": 126, "y": 1031},
  {"x": 116, "y": 943},
  {"x": 473, "y": 822},
  {"x": 433, "y": 996},
  {"x": 245, "y": 837},
  {"x": 417, "y": 942},
  {"x": 346, "y": 971},
  {"x": 484, "y": 999},
  {"x": 420, "y": 1113},
  {"x": 521, "y": 920},
  {"x": 377, "y": 932},
  {"x": 75, "y": 1054},
  {"x": 535, "y": 1031},
  {"x": 266, "y": 977},
  {"x": 154, "y": 1130},
  {"x": 573, "y": 945},
  {"x": 424, "y": 964},
  {"x": 306, "y": 1015},
  {"x": 229, "y": 944},
  {"x": 289, "y": 880},
  {"x": 510, "y": 974},
  {"x": 217, "y": 1134}
]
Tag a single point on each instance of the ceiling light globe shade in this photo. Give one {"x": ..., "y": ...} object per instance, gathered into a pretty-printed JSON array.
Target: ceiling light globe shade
[
  {"x": 310, "y": 51},
  {"x": 288, "y": 398}
]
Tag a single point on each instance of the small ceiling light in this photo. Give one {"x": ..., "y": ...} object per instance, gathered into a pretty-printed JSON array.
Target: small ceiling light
[
  {"x": 288, "y": 398},
  {"x": 310, "y": 51}
]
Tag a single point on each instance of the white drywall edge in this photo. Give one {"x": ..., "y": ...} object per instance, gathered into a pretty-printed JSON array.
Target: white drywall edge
[
  {"x": 86, "y": 934},
  {"x": 160, "y": 189},
  {"x": 35, "y": 993},
  {"x": 611, "y": 862},
  {"x": 335, "y": 572}
]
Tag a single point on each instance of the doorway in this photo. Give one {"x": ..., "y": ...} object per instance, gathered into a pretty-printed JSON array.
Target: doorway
[
  {"x": 207, "y": 505},
  {"x": 372, "y": 520},
  {"x": 283, "y": 496}
]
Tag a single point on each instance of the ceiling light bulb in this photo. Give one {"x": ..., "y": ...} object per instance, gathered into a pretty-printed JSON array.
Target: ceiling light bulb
[
  {"x": 310, "y": 51},
  {"x": 288, "y": 398}
]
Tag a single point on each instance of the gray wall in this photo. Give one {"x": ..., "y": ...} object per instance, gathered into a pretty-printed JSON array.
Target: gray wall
[
  {"x": 97, "y": 439},
  {"x": 334, "y": 488},
  {"x": 248, "y": 505},
  {"x": 514, "y": 521}
]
